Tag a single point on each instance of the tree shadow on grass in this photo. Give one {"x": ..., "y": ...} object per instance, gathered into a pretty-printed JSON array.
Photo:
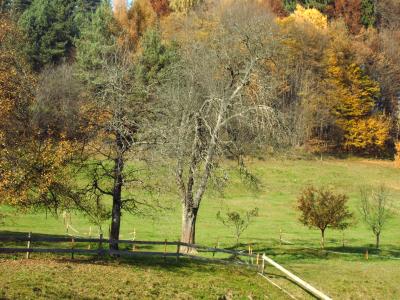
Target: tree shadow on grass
[
  {"x": 361, "y": 250},
  {"x": 80, "y": 245}
]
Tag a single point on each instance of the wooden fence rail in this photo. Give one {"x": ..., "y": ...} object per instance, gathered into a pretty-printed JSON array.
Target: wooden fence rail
[
  {"x": 200, "y": 248},
  {"x": 30, "y": 239},
  {"x": 306, "y": 286}
]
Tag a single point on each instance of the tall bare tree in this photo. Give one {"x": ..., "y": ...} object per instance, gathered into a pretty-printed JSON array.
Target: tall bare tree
[
  {"x": 120, "y": 113},
  {"x": 225, "y": 85}
]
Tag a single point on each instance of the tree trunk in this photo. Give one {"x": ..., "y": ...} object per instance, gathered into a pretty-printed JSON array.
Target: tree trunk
[
  {"x": 117, "y": 191},
  {"x": 323, "y": 238},
  {"x": 189, "y": 216},
  {"x": 377, "y": 240}
]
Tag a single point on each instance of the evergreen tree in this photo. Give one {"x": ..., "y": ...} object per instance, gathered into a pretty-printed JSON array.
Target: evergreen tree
[
  {"x": 89, "y": 5},
  {"x": 16, "y": 7},
  {"x": 51, "y": 27},
  {"x": 368, "y": 16},
  {"x": 96, "y": 43},
  {"x": 155, "y": 58},
  {"x": 50, "y": 30},
  {"x": 19, "y": 6},
  {"x": 290, "y": 5},
  {"x": 4, "y": 5}
]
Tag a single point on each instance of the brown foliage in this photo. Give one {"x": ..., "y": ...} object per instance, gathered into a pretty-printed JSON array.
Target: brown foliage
[
  {"x": 161, "y": 7},
  {"x": 350, "y": 11},
  {"x": 274, "y": 6},
  {"x": 322, "y": 208}
]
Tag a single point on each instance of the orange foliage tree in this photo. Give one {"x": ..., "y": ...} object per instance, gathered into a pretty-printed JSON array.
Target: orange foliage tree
[
  {"x": 350, "y": 11},
  {"x": 134, "y": 21},
  {"x": 275, "y": 6},
  {"x": 32, "y": 168},
  {"x": 161, "y": 7}
]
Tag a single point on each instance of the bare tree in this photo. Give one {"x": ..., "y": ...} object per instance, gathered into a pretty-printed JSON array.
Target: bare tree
[
  {"x": 375, "y": 209},
  {"x": 57, "y": 103},
  {"x": 224, "y": 80},
  {"x": 119, "y": 114},
  {"x": 237, "y": 222},
  {"x": 388, "y": 13},
  {"x": 122, "y": 133}
]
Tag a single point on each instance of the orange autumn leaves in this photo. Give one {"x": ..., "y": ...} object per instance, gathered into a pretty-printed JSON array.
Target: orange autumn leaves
[
  {"x": 31, "y": 166},
  {"x": 35, "y": 174},
  {"x": 134, "y": 21}
]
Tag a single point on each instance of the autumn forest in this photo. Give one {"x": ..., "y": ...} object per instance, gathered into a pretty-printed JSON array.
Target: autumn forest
[{"x": 107, "y": 106}]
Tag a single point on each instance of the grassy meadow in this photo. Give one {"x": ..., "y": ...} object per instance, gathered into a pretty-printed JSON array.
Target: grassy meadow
[{"x": 341, "y": 272}]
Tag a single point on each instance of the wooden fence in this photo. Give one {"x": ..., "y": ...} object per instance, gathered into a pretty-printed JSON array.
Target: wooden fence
[
  {"x": 260, "y": 260},
  {"x": 101, "y": 250}
]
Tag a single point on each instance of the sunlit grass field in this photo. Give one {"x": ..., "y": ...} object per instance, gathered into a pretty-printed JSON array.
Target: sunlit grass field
[{"x": 343, "y": 276}]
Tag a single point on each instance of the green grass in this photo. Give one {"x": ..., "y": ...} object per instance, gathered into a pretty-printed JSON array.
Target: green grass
[
  {"x": 345, "y": 276},
  {"x": 90, "y": 279}
]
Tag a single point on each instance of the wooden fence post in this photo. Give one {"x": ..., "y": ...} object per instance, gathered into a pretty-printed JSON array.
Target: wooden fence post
[
  {"x": 165, "y": 250},
  {"x": 262, "y": 264},
  {"x": 28, "y": 246},
  {"x": 216, "y": 246},
  {"x": 257, "y": 258},
  {"x": 90, "y": 236},
  {"x": 100, "y": 246},
  {"x": 366, "y": 254},
  {"x": 250, "y": 253},
  {"x": 72, "y": 247},
  {"x": 280, "y": 237},
  {"x": 133, "y": 239},
  {"x": 178, "y": 248}
]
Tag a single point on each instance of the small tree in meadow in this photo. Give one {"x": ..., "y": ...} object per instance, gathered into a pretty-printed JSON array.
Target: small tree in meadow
[
  {"x": 322, "y": 208},
  {"x": 375, "y": 209},
  {"x": 237, "y": 222}
]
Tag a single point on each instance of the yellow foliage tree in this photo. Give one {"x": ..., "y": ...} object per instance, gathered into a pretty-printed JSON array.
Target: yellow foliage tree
[
  {"x": 306, "y": 16},
  {"x": 369, "y": 134},
  {"x": 353, "y": 95},
  {"x": 338, "y": 99}
]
